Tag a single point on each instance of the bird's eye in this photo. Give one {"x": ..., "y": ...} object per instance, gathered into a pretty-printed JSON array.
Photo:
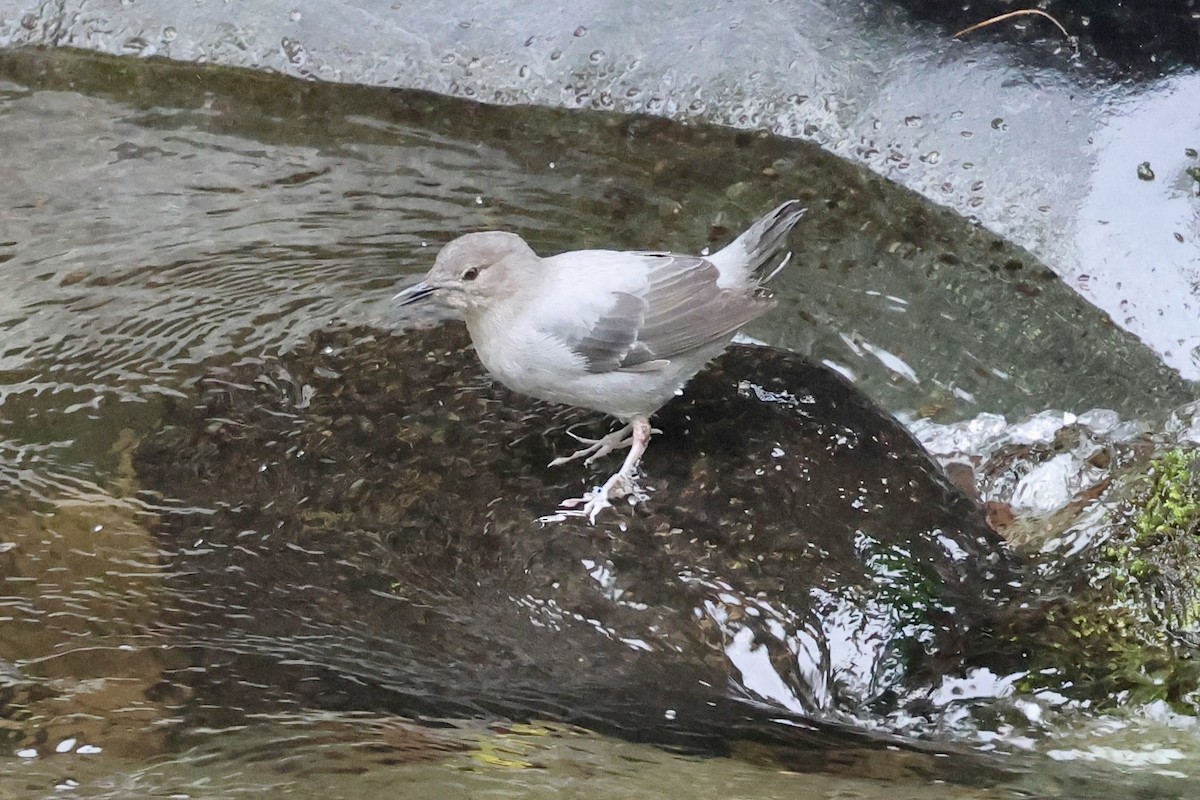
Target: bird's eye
[{"x": 471, "y": 274}]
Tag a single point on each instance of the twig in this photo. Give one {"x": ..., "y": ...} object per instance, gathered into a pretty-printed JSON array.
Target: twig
[{"x": 1011, "y": 14}]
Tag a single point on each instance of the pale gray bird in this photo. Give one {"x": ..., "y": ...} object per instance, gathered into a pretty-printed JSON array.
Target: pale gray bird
[{"x": 616, "y": 332}]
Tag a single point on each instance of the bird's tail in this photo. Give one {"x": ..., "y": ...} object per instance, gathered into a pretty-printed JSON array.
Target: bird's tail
[{"x": 750, "y": 258}]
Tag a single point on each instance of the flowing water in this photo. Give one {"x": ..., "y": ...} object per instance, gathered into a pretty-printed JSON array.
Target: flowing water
[{"x": 156, "y": 220}]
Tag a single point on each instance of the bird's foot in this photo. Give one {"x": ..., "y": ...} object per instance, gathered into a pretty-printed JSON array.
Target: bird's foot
[
  {"x": 622, "y": 480},
  {"x": 598, "y": 501},
  {"x": 597, "y": 448},
  {"x": 594, "y": 502},
  {"x": 621, "y": 484}
]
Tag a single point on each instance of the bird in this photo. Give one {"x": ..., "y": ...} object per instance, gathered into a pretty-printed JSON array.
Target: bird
[{"x": 619, "y": 332}]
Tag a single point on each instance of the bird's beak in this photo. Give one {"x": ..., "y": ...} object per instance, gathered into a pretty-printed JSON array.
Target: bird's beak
[{"x": 414, "y": 294}]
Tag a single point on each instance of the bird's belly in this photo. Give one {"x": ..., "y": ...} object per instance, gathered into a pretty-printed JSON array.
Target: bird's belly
[
  {"x": 620, "y": 394},
  {"x": 550, "y": 371}
]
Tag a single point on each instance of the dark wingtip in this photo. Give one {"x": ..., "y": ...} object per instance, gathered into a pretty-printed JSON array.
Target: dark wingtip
[
  {"x": 772, "y": 231},
  {"x": 790, "y": 210}
]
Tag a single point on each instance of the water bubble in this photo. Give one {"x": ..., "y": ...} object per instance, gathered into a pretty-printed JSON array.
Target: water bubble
[
  {"x": 596, "y": 56},
  {"x": 555, "y": 55},
  {"x": 523, "y": 72},
  {"x": 581, "y": 32},
  {"x": 295, "y": 15},
  {"x": 169, "y": 33}
]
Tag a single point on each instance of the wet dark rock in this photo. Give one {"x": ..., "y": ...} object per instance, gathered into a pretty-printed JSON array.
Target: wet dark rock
[{"x": 367, "y": 537}]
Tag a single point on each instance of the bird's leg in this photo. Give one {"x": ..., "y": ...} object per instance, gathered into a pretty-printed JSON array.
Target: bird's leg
[
  {"x": 595, "y": 501},
  {"x": 597, "y": 448},
  {"x": 624, "y": 476}
]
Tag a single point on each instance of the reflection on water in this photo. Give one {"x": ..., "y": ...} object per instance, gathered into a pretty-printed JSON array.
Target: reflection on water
[
  {"x": 155, "y": 218},
  {"x": 359, "y": 756}
]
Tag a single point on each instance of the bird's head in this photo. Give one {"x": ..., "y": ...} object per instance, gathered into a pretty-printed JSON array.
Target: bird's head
[{"x": 473, "y": 271}]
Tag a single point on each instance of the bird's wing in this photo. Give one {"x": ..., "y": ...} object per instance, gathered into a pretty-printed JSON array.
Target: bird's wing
[{"x": 665, "y": 305}]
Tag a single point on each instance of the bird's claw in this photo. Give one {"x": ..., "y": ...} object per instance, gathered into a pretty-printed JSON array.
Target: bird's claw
[
  {"x": 599, "y": 498},
  {"x": 596, "y": 448},
  {"x": 592, "y": 503},
  {"x": 594, "y": 507},
  {"x": 582, "y": 439},
  {"x": 592, "y": 451}
]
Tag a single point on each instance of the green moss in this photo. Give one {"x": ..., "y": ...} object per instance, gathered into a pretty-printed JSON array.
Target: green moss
[
  {"x": 1123, "y": 620},
  {"x": 1173, "y": 503},
  {"x": 1162, "y": 518}
]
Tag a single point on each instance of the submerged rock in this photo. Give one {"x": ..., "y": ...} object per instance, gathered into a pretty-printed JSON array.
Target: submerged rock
[{"x": 357, "y": 527}]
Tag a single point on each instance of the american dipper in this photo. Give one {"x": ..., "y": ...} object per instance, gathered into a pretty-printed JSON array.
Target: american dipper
[{"x": 616, "y": 332}]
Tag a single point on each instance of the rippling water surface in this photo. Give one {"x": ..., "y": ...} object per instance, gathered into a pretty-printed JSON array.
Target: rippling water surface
[{"x": 155, "y": 221}]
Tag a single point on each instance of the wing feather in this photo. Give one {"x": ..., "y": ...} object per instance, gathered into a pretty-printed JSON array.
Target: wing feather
[{"x": 678, "y": 309}]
